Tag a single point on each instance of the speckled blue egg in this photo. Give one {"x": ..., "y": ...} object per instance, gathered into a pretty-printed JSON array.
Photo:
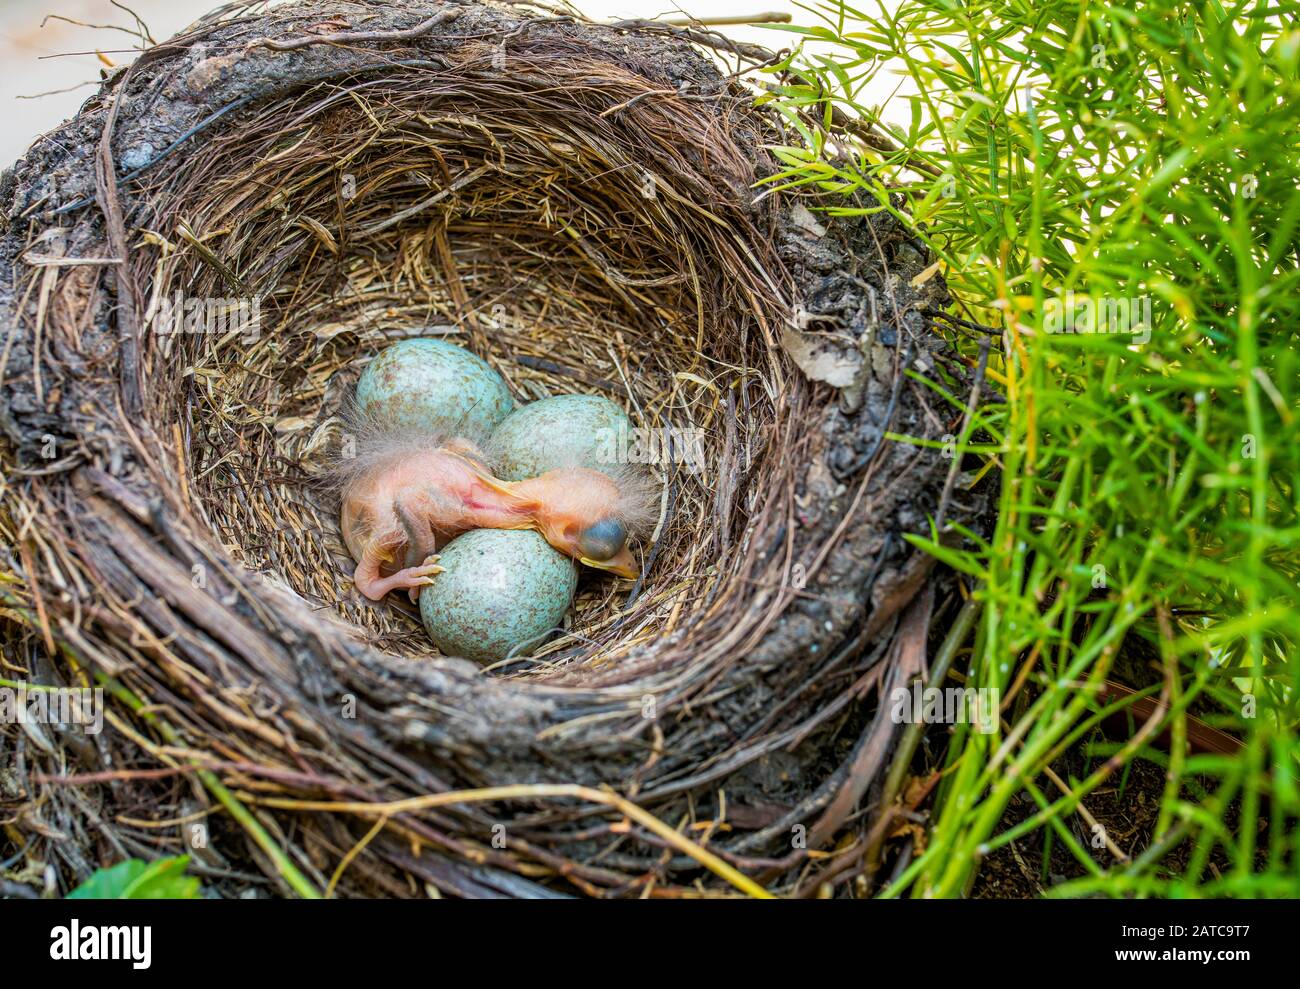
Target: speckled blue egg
[
  {"x": 500, "y": 588},
  {"x": 561, "y": 431},
  {"x": 430, "y": 384}
]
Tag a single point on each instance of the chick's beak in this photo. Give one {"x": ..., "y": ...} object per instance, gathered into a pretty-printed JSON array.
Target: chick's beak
[{"x": 622, "y": 563}]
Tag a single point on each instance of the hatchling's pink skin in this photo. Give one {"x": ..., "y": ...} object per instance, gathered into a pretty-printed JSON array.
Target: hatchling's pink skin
[{"x": 397, "y": 515}]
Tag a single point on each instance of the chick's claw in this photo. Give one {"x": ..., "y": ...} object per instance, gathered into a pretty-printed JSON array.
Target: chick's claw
[
  {"x": 410, "y": 579},
  {"x": 425, "y": 573}
]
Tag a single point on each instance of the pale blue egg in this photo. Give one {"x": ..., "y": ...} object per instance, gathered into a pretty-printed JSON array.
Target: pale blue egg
[
  {"x": 500, "y": 589},
  {"x": 430, "y": 384},
  {"x": 561, "y": 431}
]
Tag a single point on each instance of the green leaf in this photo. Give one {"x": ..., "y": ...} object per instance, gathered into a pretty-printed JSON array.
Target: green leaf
[{"x": 136, "y": 879}]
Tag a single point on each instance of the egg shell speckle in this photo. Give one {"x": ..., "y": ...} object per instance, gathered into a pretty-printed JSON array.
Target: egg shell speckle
[
  {"x": 430, "y": 384},
  {"x": 561, "y": 431},
  {"x": 499, "y": 588}
]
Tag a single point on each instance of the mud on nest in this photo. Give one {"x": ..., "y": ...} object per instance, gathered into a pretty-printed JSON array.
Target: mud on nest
[{"x": 576, "y": 203}]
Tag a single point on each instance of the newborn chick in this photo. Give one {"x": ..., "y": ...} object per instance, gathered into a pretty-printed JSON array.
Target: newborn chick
[{"x": 405, "y": 499}]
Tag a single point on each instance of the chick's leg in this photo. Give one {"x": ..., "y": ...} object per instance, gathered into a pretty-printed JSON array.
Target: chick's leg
[{"x": 369, "y": 582}]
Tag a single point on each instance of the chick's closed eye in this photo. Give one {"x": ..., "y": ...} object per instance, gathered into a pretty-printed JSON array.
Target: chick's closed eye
[{"x": 603, "y": 540}]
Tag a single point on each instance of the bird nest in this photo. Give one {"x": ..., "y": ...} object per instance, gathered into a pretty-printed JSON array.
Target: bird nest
[{"x": 197, "y": 267}]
